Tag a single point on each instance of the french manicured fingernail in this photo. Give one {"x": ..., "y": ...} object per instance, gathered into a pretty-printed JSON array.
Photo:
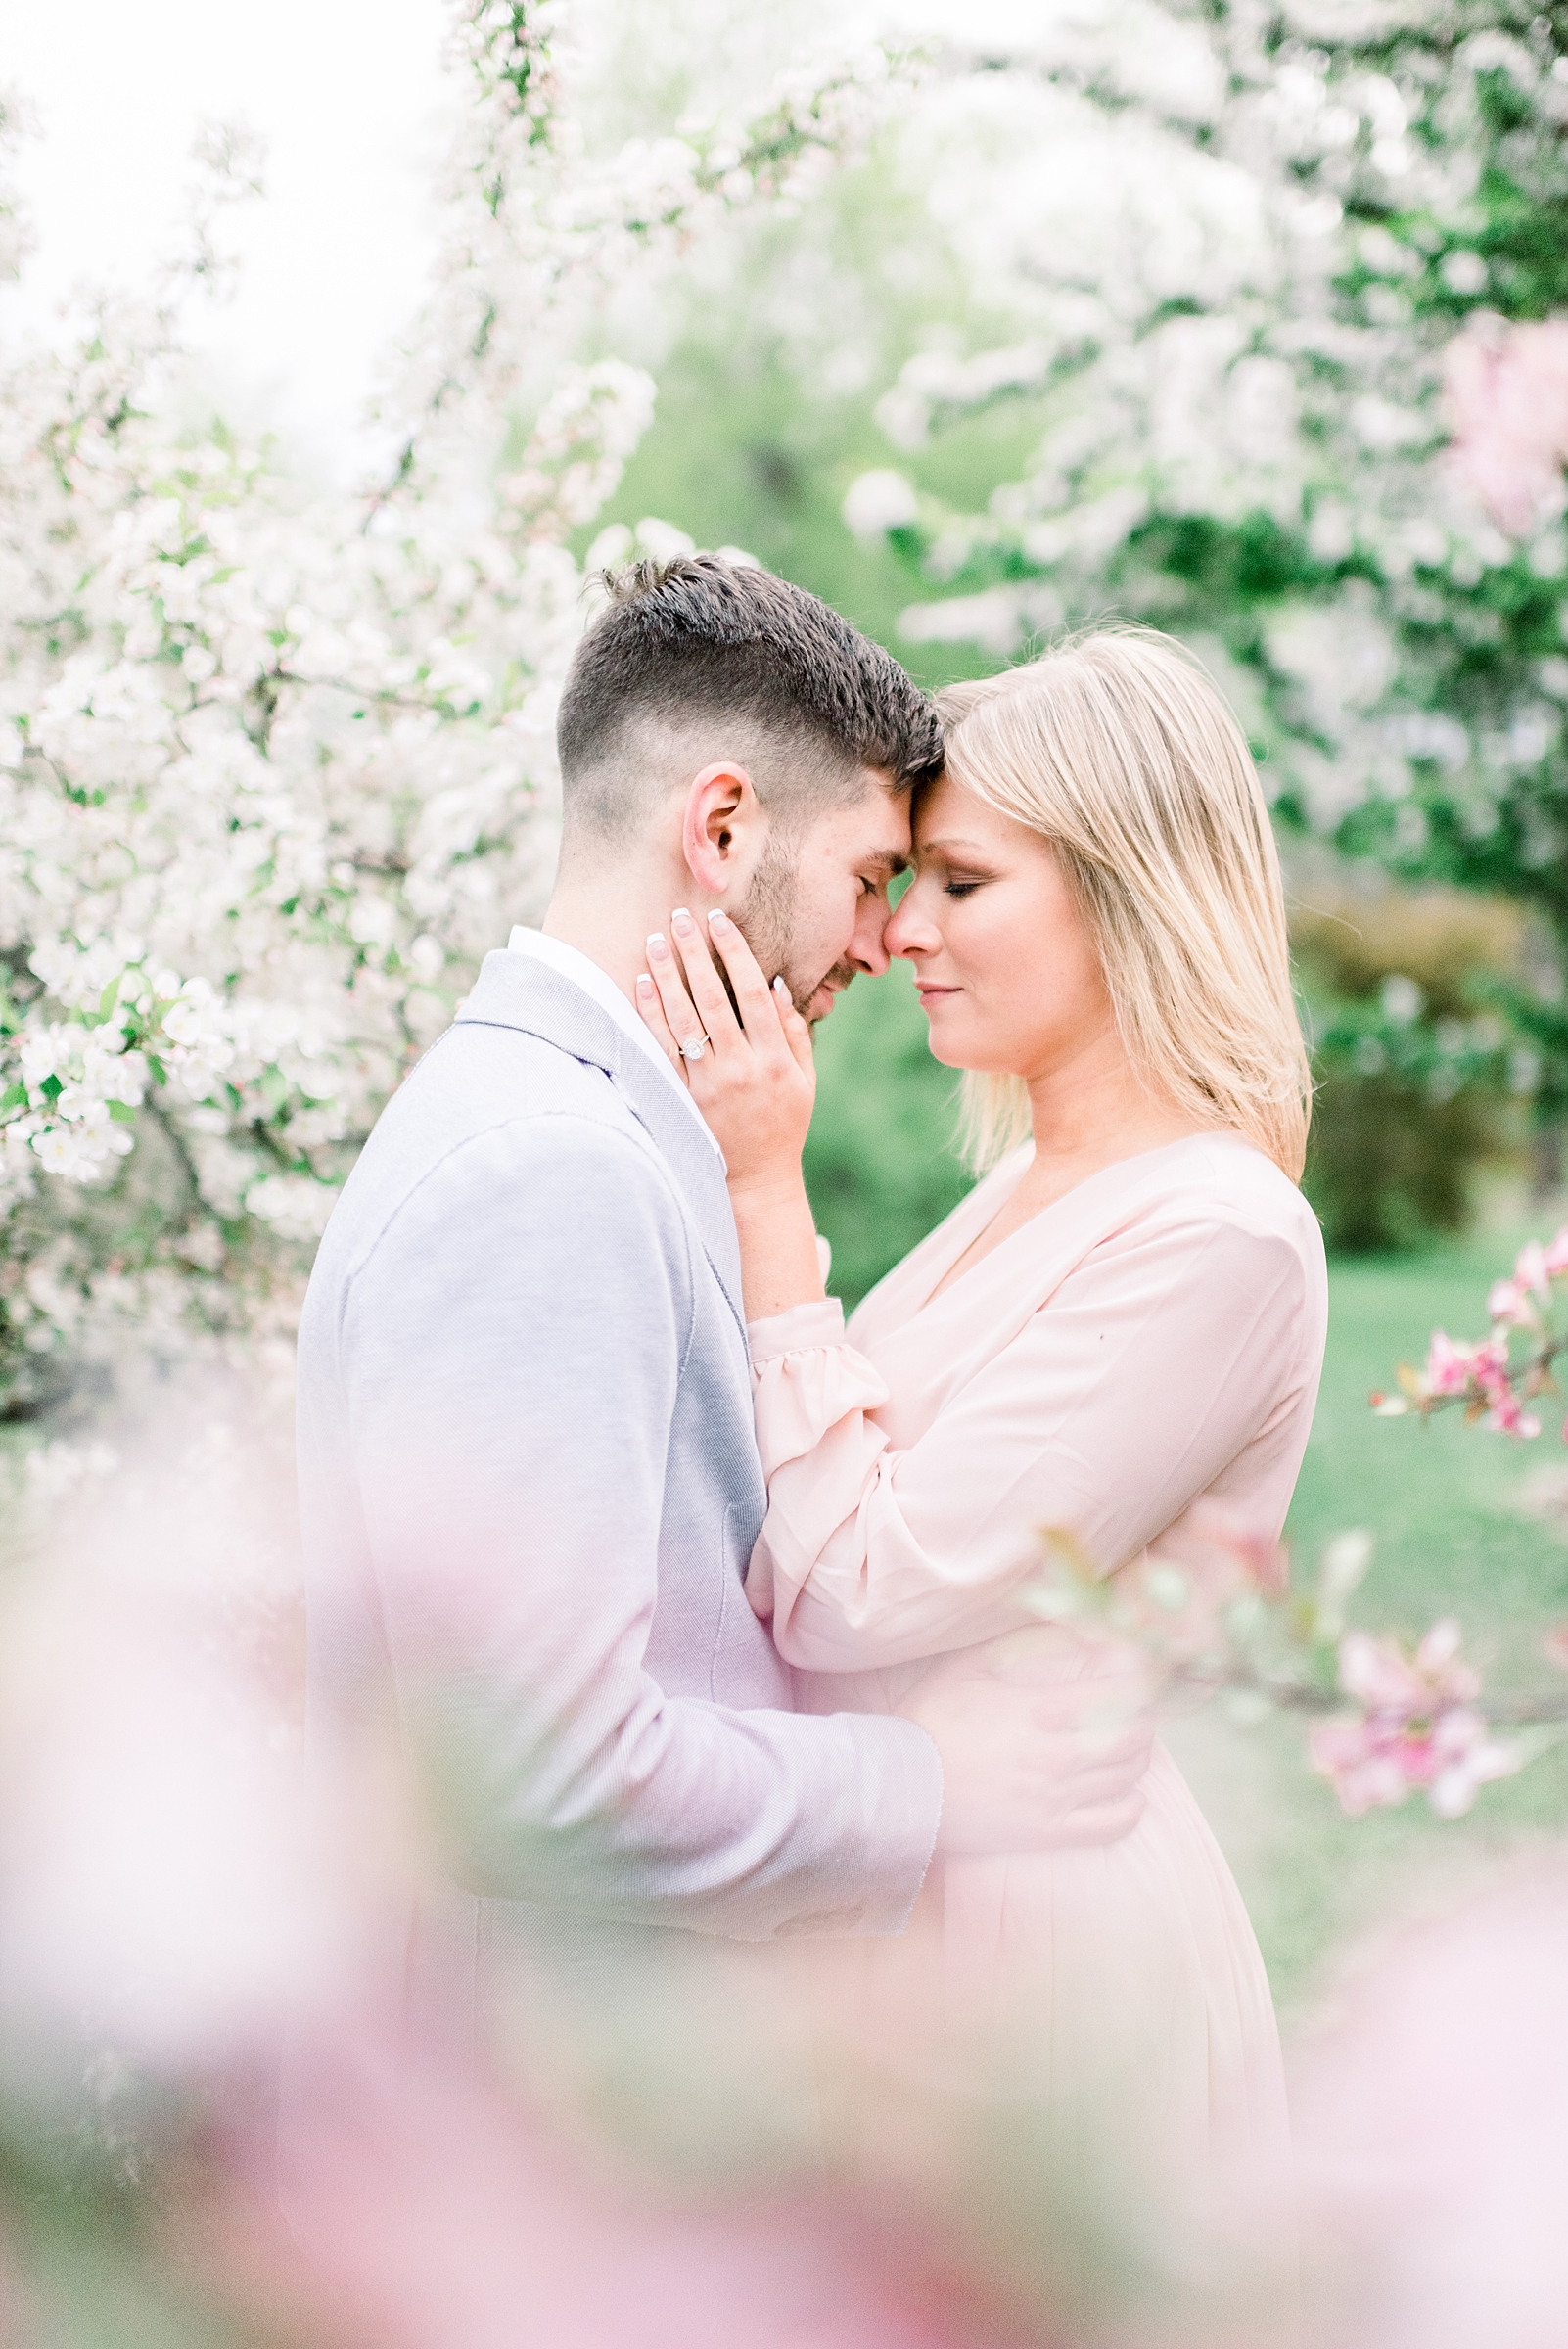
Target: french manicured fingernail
[
  {"x": 681, "y": 923},
  {"x": 781, "y": 987},
  {"x": 717, "y": 920},
  {"x": 645, "y": 986},
  {"x": 658, "y": 951}
]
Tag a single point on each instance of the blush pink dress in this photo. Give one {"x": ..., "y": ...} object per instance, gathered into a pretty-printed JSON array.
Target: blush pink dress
[{"x": 1153, "y": 1336}]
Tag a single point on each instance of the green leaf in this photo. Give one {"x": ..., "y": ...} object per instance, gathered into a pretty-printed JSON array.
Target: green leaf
[
  {"x": 156, "y": 1069},
  {"x": 122, "y": 1113},
  {"x": 15, "y": 1098},
  {"x": 51, "y": 1089},
  {"x": 110, "y": 997}
]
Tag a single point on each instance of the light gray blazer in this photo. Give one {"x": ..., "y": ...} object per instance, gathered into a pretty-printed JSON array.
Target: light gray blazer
[{"x": 529, "y": 1488}]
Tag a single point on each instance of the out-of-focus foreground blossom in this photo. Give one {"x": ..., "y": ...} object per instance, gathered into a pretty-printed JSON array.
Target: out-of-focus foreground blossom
[
  {"x": 720, "y": 2147},
  {"x": 1430, "y": 2138},
  {"x": 1209, "y": 1610},
  {"x": 1417, "y": 1727}
]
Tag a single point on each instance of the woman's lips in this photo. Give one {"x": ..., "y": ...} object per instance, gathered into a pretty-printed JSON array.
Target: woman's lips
[{"x": 935, "y": 995}]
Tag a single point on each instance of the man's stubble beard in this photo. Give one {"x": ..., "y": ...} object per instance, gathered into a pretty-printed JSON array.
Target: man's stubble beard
[{"x": 766, "y": 922}]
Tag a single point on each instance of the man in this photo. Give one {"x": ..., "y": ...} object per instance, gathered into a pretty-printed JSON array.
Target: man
[{"x": 529, "y": 1482}]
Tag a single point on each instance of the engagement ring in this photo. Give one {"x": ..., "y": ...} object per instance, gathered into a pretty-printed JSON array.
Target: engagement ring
[{"x": 694, "y": 1049}]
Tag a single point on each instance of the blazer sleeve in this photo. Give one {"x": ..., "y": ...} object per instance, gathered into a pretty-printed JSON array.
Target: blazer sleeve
[
  {"x": 510, "y": 1350},
  {"x": 1122, "y": 1400}
]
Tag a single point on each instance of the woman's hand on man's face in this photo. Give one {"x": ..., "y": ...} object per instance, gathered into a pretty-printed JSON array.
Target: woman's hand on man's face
[{"x": 752, "y": 1079}]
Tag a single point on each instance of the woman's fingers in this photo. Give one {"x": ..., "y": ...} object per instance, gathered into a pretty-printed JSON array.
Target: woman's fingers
[
  {"x": 701, "y": 1011},
  {"x": 797, "y": 1032},
  {"x": 650, "y": 1007},
  {"x": 760, "y": 1008},
  {"x": 703, "y": 979},
  {"x": 682, "y": 1021}
]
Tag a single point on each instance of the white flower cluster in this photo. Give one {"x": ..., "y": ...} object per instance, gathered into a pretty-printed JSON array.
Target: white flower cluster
[
  {"x": 276, "y": 769},
  {"x": 1172, "y": 210}
]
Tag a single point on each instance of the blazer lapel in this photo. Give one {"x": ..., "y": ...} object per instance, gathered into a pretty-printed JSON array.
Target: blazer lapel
[{"x": 513, "y": 991}]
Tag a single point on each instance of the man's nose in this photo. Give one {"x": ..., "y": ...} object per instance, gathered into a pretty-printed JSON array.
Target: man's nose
[{"x": 868, "y": 948}]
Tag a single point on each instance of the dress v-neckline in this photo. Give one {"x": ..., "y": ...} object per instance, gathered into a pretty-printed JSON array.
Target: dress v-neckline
[{"x": 944, "y": 1285}]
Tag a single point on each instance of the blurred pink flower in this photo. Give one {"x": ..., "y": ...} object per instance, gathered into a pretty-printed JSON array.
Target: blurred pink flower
[
  {"x": 1507, "y": 1301},
  {"x": 1451, "y": 1366},
  {"x": 1428, "y": 2122},
  {"x": 1506, "y": 391},
  {"x": 427, "y": 2206},
  {"x": 1555, "y": 1256},
  {"x": 1417, "y": 1729},
  {"x": 1531, "y": 1270},
  {"x": 1481, "y": 1370},
  {"x": 1447, "y": 1366},
  {"x": 1506, "y": 1416}
]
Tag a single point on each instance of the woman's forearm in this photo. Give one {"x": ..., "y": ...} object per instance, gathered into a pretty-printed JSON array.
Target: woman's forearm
[{"x": 777, "y": 1231}]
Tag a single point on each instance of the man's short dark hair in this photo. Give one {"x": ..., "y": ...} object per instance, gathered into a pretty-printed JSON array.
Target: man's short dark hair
[{"x": 705, "y": 650}]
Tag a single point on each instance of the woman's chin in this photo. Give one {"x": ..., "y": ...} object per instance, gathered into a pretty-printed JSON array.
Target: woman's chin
[{"x": 973, "y": 1059}]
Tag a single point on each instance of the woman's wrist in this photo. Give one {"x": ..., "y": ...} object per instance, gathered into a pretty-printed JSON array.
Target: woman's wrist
[
  {"x": 777, "y": 1233},
  {"x": 781, "y": 1194}
]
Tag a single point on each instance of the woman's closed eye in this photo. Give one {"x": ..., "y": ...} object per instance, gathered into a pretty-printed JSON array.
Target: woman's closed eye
[{"x": 959, "y": 889}]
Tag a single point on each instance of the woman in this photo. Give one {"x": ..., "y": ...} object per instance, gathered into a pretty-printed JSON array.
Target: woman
[{"x": 1125, "y": 1318}]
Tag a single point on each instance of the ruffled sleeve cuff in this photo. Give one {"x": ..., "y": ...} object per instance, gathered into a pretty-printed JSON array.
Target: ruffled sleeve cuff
[
  {"x": 807, "y": 1381},
  {"x": 799, "y": 1329}
]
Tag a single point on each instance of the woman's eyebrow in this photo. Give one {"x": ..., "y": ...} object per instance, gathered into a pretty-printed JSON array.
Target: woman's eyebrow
[{"x": 926, "y": 846}]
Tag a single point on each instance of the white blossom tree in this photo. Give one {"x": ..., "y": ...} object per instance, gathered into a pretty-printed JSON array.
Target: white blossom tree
[
  {"x": 276, "y": 769},
  {"x": 1289, "y": 281}
]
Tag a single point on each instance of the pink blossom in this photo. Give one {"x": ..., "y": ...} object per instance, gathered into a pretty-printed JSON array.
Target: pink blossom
[
  {"x": 1507, "y": 1301},
  {"x": 1481, "y": 1372},
  {"x": 1507, "y": 396},
  {"x": 1555, "y": 1256},
  {"x": 1364, "y": 1776},
  {"x": 1531, "y": 1271},
  {"x": 1506, "y": 1416},
  {"x": 1417, "y": 1729},
  {"x": 1447, "y": 1366}
]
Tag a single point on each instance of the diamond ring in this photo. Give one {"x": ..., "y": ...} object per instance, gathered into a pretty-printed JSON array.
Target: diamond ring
[{"x": 694, "y": 1048}]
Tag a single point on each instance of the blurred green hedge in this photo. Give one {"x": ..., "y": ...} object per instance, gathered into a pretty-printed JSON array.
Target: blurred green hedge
[{"x": 1414, "y": 1072}]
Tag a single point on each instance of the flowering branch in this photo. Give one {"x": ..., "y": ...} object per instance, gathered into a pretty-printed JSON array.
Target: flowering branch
[
  {"x": 1492, "y": 1378},
  {"x": 1212, "y": 1613}
]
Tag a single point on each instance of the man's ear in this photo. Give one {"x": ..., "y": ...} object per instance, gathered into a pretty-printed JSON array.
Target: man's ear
[{"x": 719, "y": 826}]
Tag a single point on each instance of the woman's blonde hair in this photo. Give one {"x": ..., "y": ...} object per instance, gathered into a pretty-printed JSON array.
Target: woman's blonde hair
[{"x": 1119, "y": 750}]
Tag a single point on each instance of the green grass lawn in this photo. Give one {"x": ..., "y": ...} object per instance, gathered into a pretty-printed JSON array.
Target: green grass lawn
[{"x": 1446, "y": 1505}]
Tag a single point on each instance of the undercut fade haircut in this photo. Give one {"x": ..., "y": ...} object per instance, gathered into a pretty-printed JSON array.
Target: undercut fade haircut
[{"x": 701, "y": 658}]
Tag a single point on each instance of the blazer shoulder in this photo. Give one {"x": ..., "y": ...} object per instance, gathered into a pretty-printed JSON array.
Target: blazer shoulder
[{"x": 495, "y": 1126}]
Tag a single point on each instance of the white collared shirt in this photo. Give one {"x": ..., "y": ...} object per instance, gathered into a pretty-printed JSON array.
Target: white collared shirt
[{"x": 572, "y": 963}]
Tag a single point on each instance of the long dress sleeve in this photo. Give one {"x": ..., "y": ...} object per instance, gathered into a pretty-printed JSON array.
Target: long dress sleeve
[{"x": 1170, "y": 1351}]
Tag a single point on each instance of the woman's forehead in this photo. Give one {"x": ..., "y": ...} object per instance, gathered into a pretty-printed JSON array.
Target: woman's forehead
[{"x": 948, "y": 816}]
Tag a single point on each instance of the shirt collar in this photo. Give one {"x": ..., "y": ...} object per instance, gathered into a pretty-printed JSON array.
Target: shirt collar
[{"x": 572, "y": 963}]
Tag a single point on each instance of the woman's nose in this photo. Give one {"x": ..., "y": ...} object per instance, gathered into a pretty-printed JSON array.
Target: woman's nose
[{"x": 910, "y": 932}]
